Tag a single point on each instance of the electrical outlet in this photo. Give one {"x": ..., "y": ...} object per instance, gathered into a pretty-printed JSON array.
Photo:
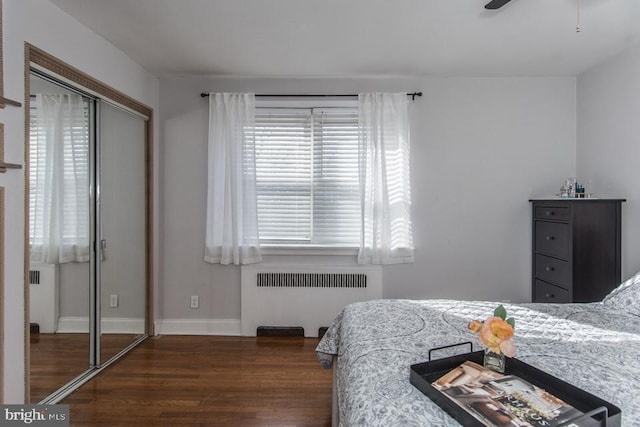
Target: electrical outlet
[
  {"x": 113, "y": 302},
  {"x": 195, "y": 301}
]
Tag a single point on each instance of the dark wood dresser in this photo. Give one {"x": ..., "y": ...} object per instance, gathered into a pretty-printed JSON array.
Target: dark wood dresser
[{"x": 576, "y": 249}]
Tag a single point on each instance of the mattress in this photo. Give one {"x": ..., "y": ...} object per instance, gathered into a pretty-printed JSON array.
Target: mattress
[{"x": 594, "y": 346}]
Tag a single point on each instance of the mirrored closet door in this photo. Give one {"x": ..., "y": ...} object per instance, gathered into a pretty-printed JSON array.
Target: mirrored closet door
[
  {"x": 61, "y": 134},
  {"x": 88, "y": 235},
  {"x": 122, "y": 267}
]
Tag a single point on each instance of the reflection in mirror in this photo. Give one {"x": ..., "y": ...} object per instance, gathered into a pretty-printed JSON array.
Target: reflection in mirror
[
  {"x": 69, "y": 155},
  {"x": 59, "y": 234},
  {"x": 77, "y": 327},
  {"x": 122, "y": 223}
]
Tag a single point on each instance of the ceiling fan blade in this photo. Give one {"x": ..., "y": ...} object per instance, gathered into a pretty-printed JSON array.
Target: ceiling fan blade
[{"x": 496, "y": 4}]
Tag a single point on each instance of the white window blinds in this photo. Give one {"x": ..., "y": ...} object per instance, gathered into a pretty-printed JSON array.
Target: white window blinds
[
  {"x": 59, "y": 179},
  {"x": 307, "y": 176}
]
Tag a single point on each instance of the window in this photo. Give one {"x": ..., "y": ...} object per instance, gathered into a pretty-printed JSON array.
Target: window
[
  {"x": 307, "y": 180},
  {"x": 309, "y": 176},
  {"x": 59, "y": 179}
]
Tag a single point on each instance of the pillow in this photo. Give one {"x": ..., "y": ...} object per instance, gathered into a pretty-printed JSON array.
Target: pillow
[{"x": 626, "y": 296}]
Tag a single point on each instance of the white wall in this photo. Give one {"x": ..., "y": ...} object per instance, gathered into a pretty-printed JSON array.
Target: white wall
[
  {"x": 45, "y": 26},
  {"x": 481, "y": 147},
  {"x": 608, "y": 142}
]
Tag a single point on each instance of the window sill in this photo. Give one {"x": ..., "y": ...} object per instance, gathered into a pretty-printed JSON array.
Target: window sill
[{"x": 307, "y": 250}]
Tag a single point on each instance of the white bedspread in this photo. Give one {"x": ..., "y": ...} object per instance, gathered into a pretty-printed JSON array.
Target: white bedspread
[{"x": 591, "y": 346}]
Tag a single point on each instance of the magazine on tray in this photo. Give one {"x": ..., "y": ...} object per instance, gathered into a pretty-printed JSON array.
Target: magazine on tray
[{"x": 503, "y": 400}]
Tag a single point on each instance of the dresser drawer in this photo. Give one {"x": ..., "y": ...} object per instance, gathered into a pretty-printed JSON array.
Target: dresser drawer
[
  {"x": 553, "y": 213},
  {"x": 553, "y": 270},
  {"x": 546, "y": 292},
  {"x": 552, "y": 239}
]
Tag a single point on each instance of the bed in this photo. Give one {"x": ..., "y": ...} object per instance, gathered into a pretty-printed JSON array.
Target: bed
[{"x": 371, "y": 345}]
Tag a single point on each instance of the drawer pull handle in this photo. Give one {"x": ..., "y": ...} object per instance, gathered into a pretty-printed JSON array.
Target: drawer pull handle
[
  {"x": 550, "y": 238},
  {"x": 550, "y": 213},
  {"x": 550, "y": 296},
  {"x": 550, "y": 269}
]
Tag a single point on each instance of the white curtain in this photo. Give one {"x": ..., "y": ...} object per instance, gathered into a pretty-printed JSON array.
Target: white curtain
[
  {"x": 232, "y": 220},
  {"x": 386, "y": 232},
  {"x": 59, "y": 180}
]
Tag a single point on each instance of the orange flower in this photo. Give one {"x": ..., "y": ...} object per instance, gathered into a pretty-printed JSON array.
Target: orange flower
[
  {"x": 494, "y": 332},
  {"x": 500, "y": 328},
  {"x": 475, "y": 326}
]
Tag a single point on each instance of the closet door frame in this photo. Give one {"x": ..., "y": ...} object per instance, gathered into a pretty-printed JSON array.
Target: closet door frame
[{"x": 40, "y": 60}]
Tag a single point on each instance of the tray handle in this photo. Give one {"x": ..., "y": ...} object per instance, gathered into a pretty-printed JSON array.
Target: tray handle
[
  {"x": 589, "y": 416},
  {"x": 453, "y": 345}
]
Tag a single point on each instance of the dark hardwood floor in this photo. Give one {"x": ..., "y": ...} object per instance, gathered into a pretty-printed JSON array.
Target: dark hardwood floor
[
  {"x": 209, "y": 381},
  {"x": 56, "y": 359}
]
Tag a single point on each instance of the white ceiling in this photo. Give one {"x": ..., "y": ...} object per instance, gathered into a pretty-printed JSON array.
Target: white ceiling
[{"x": 318, "y": 38}]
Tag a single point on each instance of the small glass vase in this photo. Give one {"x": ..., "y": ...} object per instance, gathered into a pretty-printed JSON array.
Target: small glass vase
[{"x": 494, "y": 361}]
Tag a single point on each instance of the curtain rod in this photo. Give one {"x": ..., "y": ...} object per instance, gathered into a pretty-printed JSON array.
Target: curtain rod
[{"x": 412, "y": 95}]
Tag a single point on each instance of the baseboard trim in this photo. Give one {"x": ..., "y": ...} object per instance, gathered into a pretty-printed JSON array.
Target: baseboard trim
[
  {"x": 228, "y": 327},
  {"x": 110, "y": 325}
]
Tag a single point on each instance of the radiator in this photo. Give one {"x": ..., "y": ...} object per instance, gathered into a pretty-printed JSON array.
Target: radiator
[
  {"x": 308, "y": 297},
  {"x": 43, "y": 296}
]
